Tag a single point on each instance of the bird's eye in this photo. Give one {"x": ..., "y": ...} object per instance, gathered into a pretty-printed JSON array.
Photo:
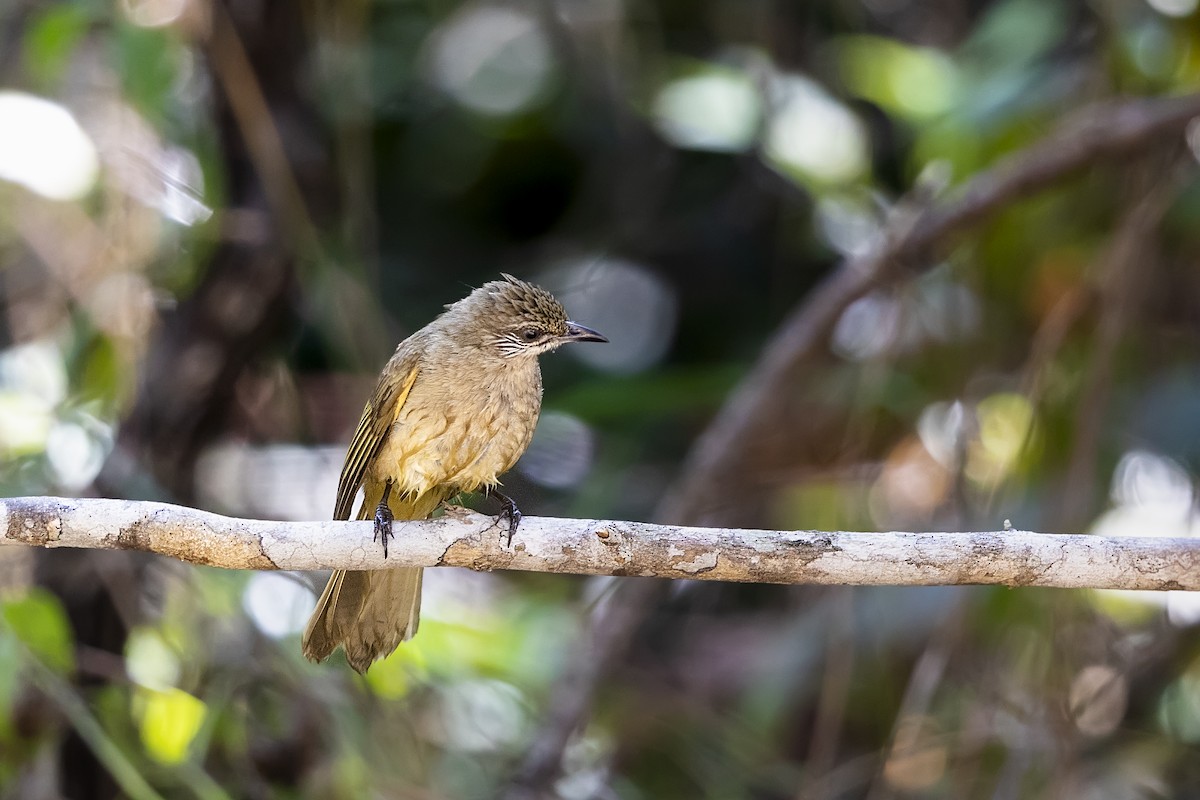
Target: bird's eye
[{"x": 530, "y": 334}]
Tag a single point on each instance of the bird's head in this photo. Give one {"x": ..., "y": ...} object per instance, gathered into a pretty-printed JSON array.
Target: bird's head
[{"x": 518, "y": 319}]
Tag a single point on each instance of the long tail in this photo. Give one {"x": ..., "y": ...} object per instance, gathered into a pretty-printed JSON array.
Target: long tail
[{"x": 369, "y": 613}]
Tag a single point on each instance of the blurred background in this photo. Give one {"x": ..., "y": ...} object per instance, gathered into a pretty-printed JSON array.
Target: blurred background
[{"x": 217, "y": 220}]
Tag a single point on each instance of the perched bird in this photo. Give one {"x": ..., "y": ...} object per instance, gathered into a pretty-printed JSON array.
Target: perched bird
[{"x": 454, "y": 409}]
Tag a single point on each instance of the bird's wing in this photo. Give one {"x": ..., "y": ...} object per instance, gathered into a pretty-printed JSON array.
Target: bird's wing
[{"x": 377, "y": 418}]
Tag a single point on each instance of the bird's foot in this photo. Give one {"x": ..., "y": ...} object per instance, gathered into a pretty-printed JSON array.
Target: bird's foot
[
  {"x": 383, "y": 525},
  {"x": 510, "y": 511}
]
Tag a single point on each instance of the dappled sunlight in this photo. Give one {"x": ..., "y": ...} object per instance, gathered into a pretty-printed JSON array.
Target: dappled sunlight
[
  {"x": 279, "y": 605},
  {"x": 936, "y": 310},
  {"x": 273, "y": 482},
  {"x": 561, "y": 453},
  {"x": 849, "y": 223},
  {"x": 32, "y": 385},
  {"x": 870, "y": 327},
  {"x": 476, "y": 716},
  {"x": 628, "y": 303},
  {"x": 911, "y": 486},
  {"x": 812, "y": 134},
  {"x": 154, "y": 13},
  {"x": 1098, "y": 697},
  {"x": 35, "y": 369},
  {"x": 76, "y": 452},
  {"x": 918, "y": 758},
  {"x": 1173, "y": 8},
  {"x": 1007, "y": 431},
  {"x": 492, "y": 59},
  {"x": 1152, "y": 495},
  {"x": 25, "y": 425},
  {"x": 716, "y": 109},
  {"x": 942, "y": 427},
  {"x": 43, "y": 148},
  {"x": 151, "y": 661}
]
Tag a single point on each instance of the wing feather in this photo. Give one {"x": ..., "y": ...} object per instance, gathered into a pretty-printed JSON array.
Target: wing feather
[{"x": 380, "y": 412}]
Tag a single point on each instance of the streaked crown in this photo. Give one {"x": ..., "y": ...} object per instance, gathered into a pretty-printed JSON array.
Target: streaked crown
[{"x": 515, "y": 316}]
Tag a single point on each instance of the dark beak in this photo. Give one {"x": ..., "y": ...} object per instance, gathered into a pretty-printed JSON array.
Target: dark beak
[{"x": 578, "y": 333}]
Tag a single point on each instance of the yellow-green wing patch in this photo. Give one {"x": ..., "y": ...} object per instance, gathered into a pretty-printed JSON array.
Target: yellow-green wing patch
[{"x": 381, "y": 411}]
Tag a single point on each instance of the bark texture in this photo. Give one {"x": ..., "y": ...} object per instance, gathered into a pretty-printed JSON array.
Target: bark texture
[{"x": 607, "y": 547}]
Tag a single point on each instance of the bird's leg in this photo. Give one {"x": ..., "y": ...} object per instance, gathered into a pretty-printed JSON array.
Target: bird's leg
[
  {"x": 509, "y": 510},
  {"x": 384, "y": 518}
]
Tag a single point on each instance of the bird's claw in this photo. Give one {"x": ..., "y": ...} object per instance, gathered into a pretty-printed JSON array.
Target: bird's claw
[
  {"x": 514, "y": 520},
  {"x": 383, "y": 525},
  {"x": 511, "y": 511}
]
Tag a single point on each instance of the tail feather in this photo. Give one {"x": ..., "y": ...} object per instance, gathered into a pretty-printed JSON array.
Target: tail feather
[
  {"x": 319, "y": 641},
  {"x": 369, "y": 613}
]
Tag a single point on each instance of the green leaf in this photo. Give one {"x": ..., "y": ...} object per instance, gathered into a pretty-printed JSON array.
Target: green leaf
[
  {"x": 39, "y": 622},
  {"x": 147, "y": 61},
  {"x": 10, "y": 662},
  {"x": 915, "y": 82},
  {"x": 1016, "y": 33},
  {"x": 52, "y": 38},
  {"x": 170, "y": 721},
  {"x": 100, "y": 375}
]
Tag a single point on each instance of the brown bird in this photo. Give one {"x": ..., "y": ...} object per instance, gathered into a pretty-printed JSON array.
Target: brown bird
[{"x": 454, "y": 409}]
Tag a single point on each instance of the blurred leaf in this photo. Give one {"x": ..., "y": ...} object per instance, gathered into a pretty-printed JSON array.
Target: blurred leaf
[
  {"x": 914, "y": 82},
  {"x": 52, "y": 39},
  {"x": 24, "y": 424},
  {"x": 1179, "y": 706},
  {"x": 218, "y": 592},
  {"x": 39, "y": 622},
  {"x": 823, "y": 506},
  {"x": 170, "y": 721},
  {"x": 147, "y": 61},
  {"x": 952, "y": 140},
  {"x": 10, "y": 663},
  {"x": 102, "y": 377},
  {"x": 1014, "y": 33},
  {"x": 390, "y": 678},
  {"x": 1128, "y": 608}
]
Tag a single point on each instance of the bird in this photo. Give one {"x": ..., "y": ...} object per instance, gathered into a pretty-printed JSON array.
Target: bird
[{"x": 453, "y": 409}]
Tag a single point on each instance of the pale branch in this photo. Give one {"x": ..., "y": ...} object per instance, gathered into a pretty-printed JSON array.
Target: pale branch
[{"x": 605, "y": 547}]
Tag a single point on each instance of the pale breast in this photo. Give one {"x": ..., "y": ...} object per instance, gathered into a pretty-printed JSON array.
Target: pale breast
[{"x": 460, "y": 429}]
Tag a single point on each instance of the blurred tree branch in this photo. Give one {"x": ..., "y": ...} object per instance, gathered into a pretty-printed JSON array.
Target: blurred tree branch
[
  {"x": 281, "y": 187},
  {"x": 1123, "y": 273},
  {"x": 605, "y": 547},
  {"x": 753, "y": 413}
]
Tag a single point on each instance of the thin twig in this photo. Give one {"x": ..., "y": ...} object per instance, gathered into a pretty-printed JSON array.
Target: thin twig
[
  {"x": 833, "y": 695},
  {"x": 260, "y": 132},
  {"x": 571, "y": 697}
]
